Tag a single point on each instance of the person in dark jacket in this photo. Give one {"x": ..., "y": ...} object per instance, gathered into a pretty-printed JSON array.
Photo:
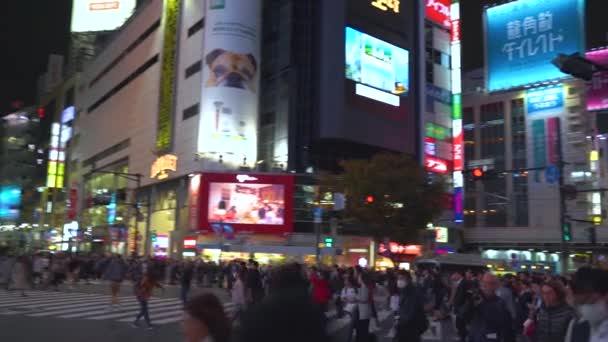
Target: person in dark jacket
[
  {"x": 288, "y": 313},
  {"x": 590, "y": 290},
  {"x": 412, "y": 322},
  {"x": 554, "y": 317},
  {"x": 187, "y": 273},
  {"x": 253, "y": 283},
  {"x": 488, "y": 316},
  {"x": 458, "y": 300}
]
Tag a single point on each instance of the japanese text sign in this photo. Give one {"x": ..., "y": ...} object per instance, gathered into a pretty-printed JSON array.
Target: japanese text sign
[{"x": 522, "y": 38}]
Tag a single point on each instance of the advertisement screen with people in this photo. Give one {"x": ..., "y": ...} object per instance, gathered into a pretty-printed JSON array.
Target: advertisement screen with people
[{"x": 247, "y": 203}]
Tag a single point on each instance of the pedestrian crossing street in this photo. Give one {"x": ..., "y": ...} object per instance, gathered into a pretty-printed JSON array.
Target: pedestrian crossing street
[{"x": 72, "y": 305}]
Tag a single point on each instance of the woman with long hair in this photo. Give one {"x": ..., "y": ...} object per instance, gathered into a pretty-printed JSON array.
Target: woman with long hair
[{"x": 205, "y": 320}]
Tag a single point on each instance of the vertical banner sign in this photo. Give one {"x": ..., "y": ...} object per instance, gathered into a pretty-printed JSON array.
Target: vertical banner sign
[
  {"x": 229, "y": 101},
  {"x": 166, "y": 104},
  {"x": 194, "y": 190},
  {"x": 522, "y": 37},
  {"x": 539, "y": 146},
  {"x": 553, "y": 140},
  {"x": 597, "y": 90},
  {"x": 457, "y": 132}
]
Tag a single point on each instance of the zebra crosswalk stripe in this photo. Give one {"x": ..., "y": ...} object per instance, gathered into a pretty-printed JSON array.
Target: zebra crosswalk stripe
[
  {"x": 66, "y": 309},
  {"x": 24, "y": 301}
]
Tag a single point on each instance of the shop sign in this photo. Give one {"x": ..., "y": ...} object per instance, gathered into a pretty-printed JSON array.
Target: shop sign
[
  {"x": 436, "y": 165},
  {"x": 190, "y": 243},
  {"x": 385, "y": 5},
  {"x": 396, "y": 248},
  {"x": 162, "y": 164},
  {"x": 438, "y": 11},
  {"x": 441, "y": 234}
]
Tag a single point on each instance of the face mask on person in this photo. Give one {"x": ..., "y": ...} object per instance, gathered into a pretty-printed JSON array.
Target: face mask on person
[
  {"x": 401, "y": 283},
  {"x": 594, "y": 313}
]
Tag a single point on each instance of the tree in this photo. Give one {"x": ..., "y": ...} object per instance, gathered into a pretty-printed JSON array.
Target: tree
[{"x": 389, "y": 195}]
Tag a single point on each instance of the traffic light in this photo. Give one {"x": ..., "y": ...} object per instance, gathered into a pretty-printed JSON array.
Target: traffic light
[
  {"x": 329, "y": 242},
  {"x": 153, "y": 237},
  {"x": 477, "y": 173},
  {"x": 567, "y": 232},
  {"x": 369, "y": 199},
  {"x": 597, "y": 220}
]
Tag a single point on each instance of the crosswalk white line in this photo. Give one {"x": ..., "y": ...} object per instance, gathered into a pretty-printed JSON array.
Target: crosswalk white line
[
  {"x": 173, "y": 317},
  {"x": 41, "y": 300},
  {"x": 153, "y": 315},
  {"x": 171, "y": 303},
  {"x": 66, "y": 309},
  {"x": 67, "y": 300},
  {"x": 105, "y": 313}
]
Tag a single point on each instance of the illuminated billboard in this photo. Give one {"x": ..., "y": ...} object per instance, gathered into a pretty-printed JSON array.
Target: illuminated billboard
[
  {"x": 248, "y": 203},
  {"x": 439, "y": 11},
  {"x": 377, "y": 66},
  {"x": 100, "y": 15},
  {"x": 229, "y": 106},
  {"x": 10, "y": 202},
  {"x": 543, "y": 100},
  {"x": 522, "y": 38},
  {"x": 597, "y": 90}
]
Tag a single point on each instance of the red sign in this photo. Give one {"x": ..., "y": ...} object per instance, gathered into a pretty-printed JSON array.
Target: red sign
[
  {"x": 73, "y": 204},
  {"x": 439, "y": 11},
  {"x": 103, "y": 6},
  {"x": 458, "y": 152},
  {"x": 246, "y": 203},
  {"x": 597, "y": 89},
  {"x": 189, "y": 243},
  {"x": 436, "y": 165},
  {"x": 455, "y": 32},
  {"x": 396, "y": 248}
]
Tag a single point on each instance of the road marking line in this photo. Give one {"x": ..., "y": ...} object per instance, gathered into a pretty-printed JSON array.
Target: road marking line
[
  {"x": 41, "y": 300},
  {"x": 134, "y": 307},
  {"x": 65, "y": 309}
]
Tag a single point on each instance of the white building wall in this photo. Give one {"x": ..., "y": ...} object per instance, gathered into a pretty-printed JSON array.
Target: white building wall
[
  {"x": 543, "y": 197},
  {"x": 188, "y": 89}
]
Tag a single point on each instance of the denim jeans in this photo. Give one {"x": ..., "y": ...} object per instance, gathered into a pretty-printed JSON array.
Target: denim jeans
[
  {"x": 143, "y": 311},
  {"x": 184, "y": 293}
]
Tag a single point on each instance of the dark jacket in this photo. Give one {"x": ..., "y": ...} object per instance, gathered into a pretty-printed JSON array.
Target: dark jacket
[
  {"x": 552, "y": 323},
  {"x": 285, "y": 315},
  {"x": 412, "y": 319},
  {"x": 491, "y": 321}
]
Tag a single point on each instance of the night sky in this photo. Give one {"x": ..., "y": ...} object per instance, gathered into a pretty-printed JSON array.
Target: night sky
[{"x": 30, "y": 30}]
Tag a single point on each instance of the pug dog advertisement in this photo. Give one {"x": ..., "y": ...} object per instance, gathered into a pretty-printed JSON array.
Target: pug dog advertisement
[{"x": 229, "y": 99}]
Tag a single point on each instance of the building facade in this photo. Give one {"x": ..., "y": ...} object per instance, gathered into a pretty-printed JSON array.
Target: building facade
[
  {"x": 179, "y": 123},
  {"x": 519, "y": 138}
]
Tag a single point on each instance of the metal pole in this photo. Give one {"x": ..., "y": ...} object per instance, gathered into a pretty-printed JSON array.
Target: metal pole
[
  {"x": 562, "y": 202},
  {"x": 318, "y": 241},
  {"x": 137, "y": 212}
]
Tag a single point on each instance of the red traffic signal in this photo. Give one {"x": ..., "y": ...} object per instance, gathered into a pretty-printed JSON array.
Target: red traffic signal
[
  {"x": 369, "y": 199},
  {"x": 477, "y": 173}
]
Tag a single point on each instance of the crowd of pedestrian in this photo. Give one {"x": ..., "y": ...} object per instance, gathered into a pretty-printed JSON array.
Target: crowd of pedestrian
[{"x": 293, "y": 301}]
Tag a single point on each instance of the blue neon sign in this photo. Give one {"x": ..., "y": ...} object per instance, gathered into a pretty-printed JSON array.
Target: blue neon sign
[
  {"x": 545, "y": 99},
  {"x": 522, "y": 37}
]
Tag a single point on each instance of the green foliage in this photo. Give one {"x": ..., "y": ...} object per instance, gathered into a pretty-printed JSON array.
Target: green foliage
[
  {"x": 404, "y": 202},
  {"x": 167, "y": 96}
]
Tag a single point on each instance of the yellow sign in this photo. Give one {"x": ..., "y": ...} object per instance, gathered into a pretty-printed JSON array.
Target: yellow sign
[
  {"x": 385, "y": 5},
  {"x": 162, "y": 164}
]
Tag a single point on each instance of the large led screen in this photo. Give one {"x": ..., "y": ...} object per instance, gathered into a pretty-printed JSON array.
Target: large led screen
[
  {"x": 523, "y": 37},
  {"x": 100, "y": 15},
  {"x": 247, "y": 203},
  {"x": 10, "y": 202},
  {"x": 376, "y": 63}
]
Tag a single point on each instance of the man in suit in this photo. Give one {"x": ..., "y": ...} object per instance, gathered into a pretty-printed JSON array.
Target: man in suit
[{"x": 458, "y": 300}]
